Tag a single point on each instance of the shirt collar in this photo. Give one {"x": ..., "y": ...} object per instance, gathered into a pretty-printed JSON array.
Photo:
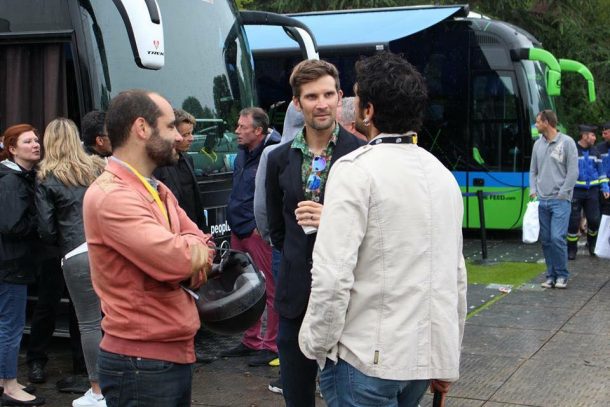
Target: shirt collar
[{"x": 300, "y": 143}]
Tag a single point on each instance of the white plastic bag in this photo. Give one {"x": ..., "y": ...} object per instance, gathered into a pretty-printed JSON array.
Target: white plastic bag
[
  {"x": 531, "y": 225},
  {"x": 602, "y": 247}
]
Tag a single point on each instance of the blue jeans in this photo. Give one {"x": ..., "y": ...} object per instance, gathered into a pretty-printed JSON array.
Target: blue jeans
[
  {"x": 13, "y": 298},
  {"x": 554, "y": 216},
  {"x": 343, "y": 385},
  {"x": 134, "y": 382}
]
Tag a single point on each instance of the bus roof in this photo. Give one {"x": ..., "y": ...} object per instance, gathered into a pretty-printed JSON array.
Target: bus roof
[{"x": 353, "y": 27}]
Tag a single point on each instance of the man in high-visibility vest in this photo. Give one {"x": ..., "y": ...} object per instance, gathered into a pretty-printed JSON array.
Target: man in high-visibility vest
[
  {"x": 603, "y": 147},
  {"x": 591, "y": 179}
]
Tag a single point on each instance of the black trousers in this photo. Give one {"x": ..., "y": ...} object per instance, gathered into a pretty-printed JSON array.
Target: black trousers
[
  {"x": 297, "y": 373},
  {"x": 604, "y": 204},
  {"x": 587, "y": 199},
  {"x": 51, "y": 287}
]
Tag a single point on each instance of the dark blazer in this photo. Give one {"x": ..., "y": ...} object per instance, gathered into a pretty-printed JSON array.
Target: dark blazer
[
  {"x": 284, "y": 190},
  {"x": 181, "y": 180}
]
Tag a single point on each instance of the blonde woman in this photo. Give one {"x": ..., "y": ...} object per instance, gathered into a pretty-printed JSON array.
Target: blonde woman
[{"x": 64, "y": 175}]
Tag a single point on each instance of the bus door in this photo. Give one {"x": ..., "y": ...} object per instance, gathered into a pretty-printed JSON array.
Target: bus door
[
  {"x": 37, "y": 81},
  {"x": 496, "y": 151}
]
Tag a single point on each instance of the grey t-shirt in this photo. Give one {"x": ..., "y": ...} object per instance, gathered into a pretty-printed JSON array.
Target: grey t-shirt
[{"x": 554, "y": 168}]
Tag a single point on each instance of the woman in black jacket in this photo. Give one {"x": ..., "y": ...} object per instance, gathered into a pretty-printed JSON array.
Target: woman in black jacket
[
  {"x": 64, "y": 175},
  {"x": 18, "y": 246}
]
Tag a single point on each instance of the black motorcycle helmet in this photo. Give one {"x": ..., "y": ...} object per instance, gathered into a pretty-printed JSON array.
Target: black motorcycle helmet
[{"x": 234, "y": 297}]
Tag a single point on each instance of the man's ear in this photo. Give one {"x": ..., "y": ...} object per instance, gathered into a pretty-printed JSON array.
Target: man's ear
[
  {"x": 369, "y": 111},
  {"x": 140, "y": 128},
  {"x": 296, "y": 103}
]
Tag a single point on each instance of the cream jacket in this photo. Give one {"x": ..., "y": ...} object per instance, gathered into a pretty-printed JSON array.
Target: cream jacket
[{"x": 388, "y": 289}]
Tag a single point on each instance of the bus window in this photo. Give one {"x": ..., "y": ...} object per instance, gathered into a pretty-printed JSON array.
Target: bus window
[
  {"x": 207, "y": 71},
  {"x": 538, "y": 98},
  {"x": 494, "y": 122}
]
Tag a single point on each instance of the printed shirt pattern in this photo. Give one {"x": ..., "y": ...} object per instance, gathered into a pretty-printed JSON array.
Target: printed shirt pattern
[{"x": 300, "y": 143}]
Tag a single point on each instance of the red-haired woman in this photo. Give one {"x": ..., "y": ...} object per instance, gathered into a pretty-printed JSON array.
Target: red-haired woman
[{"x": 18, "y": 244}]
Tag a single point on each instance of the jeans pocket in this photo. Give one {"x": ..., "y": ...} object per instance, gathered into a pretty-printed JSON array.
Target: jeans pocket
[
  {"x": 372, "y": 391},
  {"x": 151, "y": 365},
  {"x": 112, "y": 383}
]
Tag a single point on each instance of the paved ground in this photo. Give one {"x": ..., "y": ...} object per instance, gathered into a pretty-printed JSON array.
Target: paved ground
[{"x": 532, "y": 347}]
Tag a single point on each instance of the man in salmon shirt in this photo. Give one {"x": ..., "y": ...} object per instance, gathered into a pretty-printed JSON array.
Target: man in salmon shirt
[{"x": 145, "y": 253}]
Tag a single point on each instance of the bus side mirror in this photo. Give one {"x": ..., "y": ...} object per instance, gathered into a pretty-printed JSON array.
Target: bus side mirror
[{"x": 144, "y": 26}]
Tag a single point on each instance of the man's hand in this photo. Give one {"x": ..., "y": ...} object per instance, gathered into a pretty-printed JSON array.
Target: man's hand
[
  {"x": 308, "y": 213},
  {"x": 440, "y": 388},
  {"x": 606, "y": 195},
  {"x": 533, "y": 195},
  {"x": 201, "y": 265}
]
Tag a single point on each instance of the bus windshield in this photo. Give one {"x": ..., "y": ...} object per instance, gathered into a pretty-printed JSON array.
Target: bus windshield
[
  {"x": 538, "y": 98},
  {"x": 207, "y": 72}
]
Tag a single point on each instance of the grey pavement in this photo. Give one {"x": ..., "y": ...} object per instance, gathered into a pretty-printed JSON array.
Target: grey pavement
[{"x": 530, "y": 347}]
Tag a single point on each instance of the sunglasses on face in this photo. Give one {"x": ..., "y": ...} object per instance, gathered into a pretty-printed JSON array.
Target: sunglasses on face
[{"x": 318, "y": 164}]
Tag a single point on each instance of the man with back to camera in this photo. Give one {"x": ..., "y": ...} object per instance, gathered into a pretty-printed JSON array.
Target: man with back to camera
[
  {"x": 180, "y": 177},
  {"x": 388, "y": 298},
  {"x": 590, "y": 183},
  {"x": 144, "y": 251},
  {"x": 296, "y": 178},
  {"x": 603, "y": 147},
  {"x": 94, "y": 135},
  {"x": 553, "y": 174},
  {"x": 252, "y": 137}
]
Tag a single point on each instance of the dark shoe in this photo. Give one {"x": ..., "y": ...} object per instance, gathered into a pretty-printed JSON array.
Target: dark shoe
[
  {"x": 73, "y": 384},
  {"x": 238, "y": 351},
  {"x": 572, "y": 250},
  {"x": 36, "y": 373},
  {"x": 29, "y": 389},
  {"x": 262, "y": 358},
  {"x": 203, "y": 358},
  {"x": 9, "y": 401}
]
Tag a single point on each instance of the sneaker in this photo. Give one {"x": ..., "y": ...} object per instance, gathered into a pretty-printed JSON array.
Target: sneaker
[
  {"x": 561, "y": 283},
  {"x": 262, "y": 358},
  {"x": 90, "y": 399},
  {"x": 549, "y": 283},
  {"x": 276, "y": 386},
  {"x": 238, "y": 351},
  {"x": 275, "y": 362}
]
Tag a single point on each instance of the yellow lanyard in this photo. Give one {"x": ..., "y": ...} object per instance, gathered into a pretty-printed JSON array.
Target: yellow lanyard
[{"x": 153, "y": 191}]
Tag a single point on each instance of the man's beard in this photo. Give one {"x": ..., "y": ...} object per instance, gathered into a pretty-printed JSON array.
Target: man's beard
[{"x": 161, "y": 151}]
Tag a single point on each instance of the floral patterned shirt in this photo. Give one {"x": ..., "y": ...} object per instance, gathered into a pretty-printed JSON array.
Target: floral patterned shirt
[{"x": 300, "y": 143}]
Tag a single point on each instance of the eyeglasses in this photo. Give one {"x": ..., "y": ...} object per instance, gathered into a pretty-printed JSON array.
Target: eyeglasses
[{"x": 318, "y": 164}]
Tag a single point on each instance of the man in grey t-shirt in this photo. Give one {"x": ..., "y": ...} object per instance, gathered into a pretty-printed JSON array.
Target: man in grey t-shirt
[{"x": 553, "y": 174}]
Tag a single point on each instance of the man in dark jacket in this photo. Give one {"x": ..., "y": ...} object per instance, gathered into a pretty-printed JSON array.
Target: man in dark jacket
[
  {"x": 180, "y": 177},
  {"x": 296, "y": 178},
  {"x": 252, "y": 137},
  {"x": 94, "y": 136}
]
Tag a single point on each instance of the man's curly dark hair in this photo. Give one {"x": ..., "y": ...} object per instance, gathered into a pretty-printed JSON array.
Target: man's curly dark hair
[{"x": 396, "y": 90}]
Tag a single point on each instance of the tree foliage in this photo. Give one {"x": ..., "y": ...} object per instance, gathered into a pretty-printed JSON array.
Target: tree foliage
[{"x": 572, "y": 29}]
